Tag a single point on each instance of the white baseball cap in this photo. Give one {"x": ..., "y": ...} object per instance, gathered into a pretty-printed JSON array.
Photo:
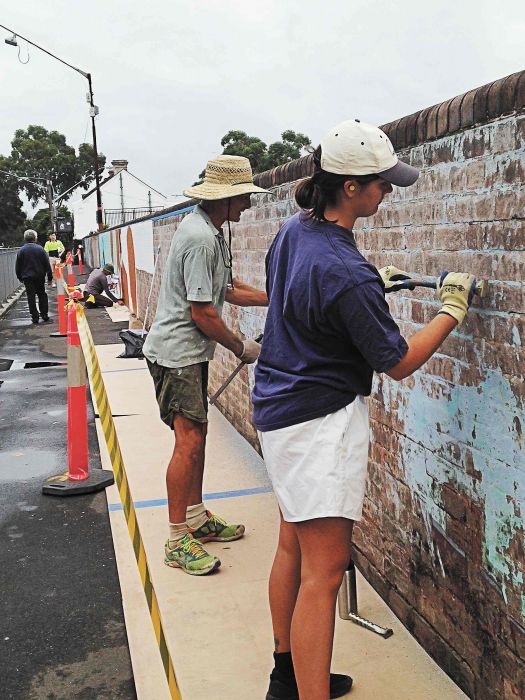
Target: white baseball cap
[{"x": 355, "y": 148}]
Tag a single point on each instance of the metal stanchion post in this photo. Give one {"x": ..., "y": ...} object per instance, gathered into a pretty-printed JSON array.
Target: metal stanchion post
[{"x": 347, "y": 604}]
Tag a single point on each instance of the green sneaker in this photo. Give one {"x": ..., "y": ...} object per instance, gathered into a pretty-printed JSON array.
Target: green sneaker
[
  {"x": 191, "y": 557},
  {"x": 215, "y": 529}
]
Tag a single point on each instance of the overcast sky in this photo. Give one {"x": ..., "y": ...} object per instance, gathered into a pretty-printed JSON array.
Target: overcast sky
[{"x": 172, "y": 77}]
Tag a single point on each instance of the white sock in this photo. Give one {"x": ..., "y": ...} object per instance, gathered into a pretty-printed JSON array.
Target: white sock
[
  {"x": 196, "y": 516},
  {"x": 177, "y": 532}
]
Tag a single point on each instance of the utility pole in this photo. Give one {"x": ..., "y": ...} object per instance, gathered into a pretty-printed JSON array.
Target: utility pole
[
  {"x": 122, "y": 215},
  {"x": 51, "y": 204},
  {"x": 93, "y": 111}
]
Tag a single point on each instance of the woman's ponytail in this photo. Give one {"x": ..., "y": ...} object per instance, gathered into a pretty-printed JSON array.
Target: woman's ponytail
[{"x": 315, "y": 193}]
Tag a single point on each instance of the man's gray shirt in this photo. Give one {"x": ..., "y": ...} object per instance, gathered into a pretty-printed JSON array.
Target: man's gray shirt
[
  {"x": 97, "y": 282},
  {"x": 195, "y": 271}
]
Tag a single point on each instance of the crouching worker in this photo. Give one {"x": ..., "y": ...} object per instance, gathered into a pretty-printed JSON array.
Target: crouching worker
[
  {"x": 97, "y": 282},
  {"x": 181, "y": 342}
]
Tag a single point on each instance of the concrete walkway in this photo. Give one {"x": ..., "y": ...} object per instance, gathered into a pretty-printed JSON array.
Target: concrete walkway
[{"x": 218, "y": 627}]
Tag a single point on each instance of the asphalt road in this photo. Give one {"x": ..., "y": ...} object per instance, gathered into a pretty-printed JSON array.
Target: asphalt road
[{"x": 62, "y": 633}]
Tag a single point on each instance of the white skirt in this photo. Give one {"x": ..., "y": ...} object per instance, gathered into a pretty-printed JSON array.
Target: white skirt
[{"x": 318, "y": 468}]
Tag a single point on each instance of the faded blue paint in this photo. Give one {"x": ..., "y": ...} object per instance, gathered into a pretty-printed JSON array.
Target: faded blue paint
[
  {"x": 484, "y": 420},
  {"x": 173, "y": 213},
  {"x": 104, "y": 248}
]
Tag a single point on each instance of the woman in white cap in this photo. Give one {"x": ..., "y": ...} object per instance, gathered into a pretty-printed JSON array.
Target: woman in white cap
[{"x": 328, "y": 329}]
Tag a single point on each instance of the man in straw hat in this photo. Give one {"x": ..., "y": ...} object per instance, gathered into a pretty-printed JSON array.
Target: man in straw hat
[{"x": 181, "y": 342}]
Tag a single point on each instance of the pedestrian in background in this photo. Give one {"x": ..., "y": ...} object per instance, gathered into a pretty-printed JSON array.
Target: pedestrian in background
[
  {"x": 328, "y": 329},
  {"x": 54, "y": 248},
  {"x": 31, "y": 267}
]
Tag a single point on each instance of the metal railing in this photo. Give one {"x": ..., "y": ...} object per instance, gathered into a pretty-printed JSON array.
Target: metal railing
[
  {"x": 8, "y": 280},
  {"x": 113, "y": 217}
]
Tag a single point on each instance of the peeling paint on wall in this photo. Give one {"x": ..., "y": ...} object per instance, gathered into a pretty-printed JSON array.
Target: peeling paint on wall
[{"x": 475, "y": 419}]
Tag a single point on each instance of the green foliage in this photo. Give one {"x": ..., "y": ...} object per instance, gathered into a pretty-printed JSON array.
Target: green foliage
[
  {"x": 286, "y": 150},
  {"x": 86, "y": 165},
  {"x": 38, "y": 153},
  {"x": 41, "y": 223},
  {"x": 238, "y": 143},
  {"x": 12, "y": 217},
  {"x": 261, "y": 156}
]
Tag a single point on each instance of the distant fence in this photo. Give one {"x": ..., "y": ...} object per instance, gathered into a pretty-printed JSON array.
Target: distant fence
[
  {"x": 8, "y": 281},
  {"x": 115, "y": 217}
]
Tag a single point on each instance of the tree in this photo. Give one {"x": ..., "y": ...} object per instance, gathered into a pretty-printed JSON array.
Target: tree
[
  {"x": 41, "y": 154},
  {"x": 286, "y": 150},
  {"x": 12, "y": 217},
  {"x": 238, "y": 143},
  {"x": 41, "y": 223},
  {"x": 86, "y": 164},
  {"x": 261, "y": 156}
]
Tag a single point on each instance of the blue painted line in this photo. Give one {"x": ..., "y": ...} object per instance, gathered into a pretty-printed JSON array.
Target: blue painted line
[
  {"x": 206, "y": 496},
  {"x": 172, "y": 213}
]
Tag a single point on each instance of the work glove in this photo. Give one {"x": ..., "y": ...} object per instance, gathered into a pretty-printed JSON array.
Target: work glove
[
  {"x": 250, "y": 351},
  {"x": 455, "y": 290},
  {"x": 394, "y": 279}
]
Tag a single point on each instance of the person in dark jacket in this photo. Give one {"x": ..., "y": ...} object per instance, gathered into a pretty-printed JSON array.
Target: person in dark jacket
[{"x": 32, "y": 266}]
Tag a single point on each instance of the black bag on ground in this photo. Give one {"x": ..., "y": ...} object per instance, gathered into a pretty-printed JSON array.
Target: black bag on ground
[{"x": 133, "y": 342}]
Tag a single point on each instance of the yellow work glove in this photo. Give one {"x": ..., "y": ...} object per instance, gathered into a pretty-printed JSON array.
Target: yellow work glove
[
  {"x": 455, "y": 290},
  {"x": 394, "y": 279}
]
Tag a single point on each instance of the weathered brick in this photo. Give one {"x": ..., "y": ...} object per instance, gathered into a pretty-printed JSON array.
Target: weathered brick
[
  {"x": 464, "y": 213},
  {"x": 447, "y": 659},
  {"x": 454, "y": 503}
]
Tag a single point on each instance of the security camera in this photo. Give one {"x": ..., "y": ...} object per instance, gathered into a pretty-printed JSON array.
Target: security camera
[{"x": 11, "y": 41}]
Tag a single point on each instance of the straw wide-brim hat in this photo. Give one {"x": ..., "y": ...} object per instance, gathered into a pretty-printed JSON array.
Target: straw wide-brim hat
[{"x": 224, "y": 177}]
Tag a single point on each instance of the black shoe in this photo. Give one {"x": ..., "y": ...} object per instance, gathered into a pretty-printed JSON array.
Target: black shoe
[
  {"x": 281, "y": 690},
  {"x": 35, "y": 321},
  {"x": 46, "y": 319}
]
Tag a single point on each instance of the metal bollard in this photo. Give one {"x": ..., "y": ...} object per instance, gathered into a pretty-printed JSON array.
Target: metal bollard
[{"x": 347, "y": 604}]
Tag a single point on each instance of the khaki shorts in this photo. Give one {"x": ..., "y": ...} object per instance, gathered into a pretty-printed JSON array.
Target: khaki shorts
[{"x": 182, "y": 390}]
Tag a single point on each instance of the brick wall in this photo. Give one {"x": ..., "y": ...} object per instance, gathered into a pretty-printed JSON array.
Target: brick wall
[{"x": 442, "y": 536}]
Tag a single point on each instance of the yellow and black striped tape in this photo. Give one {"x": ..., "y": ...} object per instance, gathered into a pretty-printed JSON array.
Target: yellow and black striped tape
[{"x": 110, "y": 434}]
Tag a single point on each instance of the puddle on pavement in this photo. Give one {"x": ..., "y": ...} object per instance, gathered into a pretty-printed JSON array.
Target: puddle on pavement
[
  {"x": 26, "y": 507},
  {"x": 28, "y": 464},
  {"x": 34, "y": 365},
  {"x": 6, "y": 364}
]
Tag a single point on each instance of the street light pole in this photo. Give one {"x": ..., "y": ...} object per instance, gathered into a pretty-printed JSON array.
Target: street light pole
[
  {"x": 93, "y": 111},
  {"x": 51, "y": 204}
]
